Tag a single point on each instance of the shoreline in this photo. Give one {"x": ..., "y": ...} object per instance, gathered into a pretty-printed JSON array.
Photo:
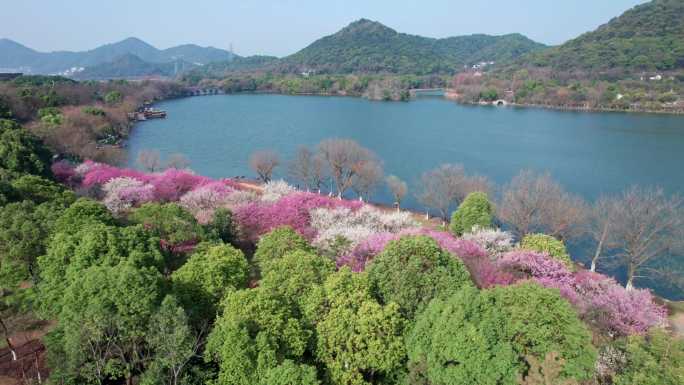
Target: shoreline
[{"x": 453, "y": 97}]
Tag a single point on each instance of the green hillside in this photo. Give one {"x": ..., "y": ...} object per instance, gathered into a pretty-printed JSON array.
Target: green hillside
[
  {"x": 647, "y": 37},
  {"x": 369, "y": 47}
]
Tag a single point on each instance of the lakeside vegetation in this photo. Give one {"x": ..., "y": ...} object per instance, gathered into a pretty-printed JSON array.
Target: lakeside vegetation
[
  {"x": 170, "y": 277},
  {"x": 635, "y": 62}
]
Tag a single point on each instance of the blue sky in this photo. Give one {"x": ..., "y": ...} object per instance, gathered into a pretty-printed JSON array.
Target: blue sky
[{"x": 281, "y": 27}]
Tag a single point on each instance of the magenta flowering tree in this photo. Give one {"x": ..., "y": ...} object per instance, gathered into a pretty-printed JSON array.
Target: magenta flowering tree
[
  {"x": 99, "y": 174},
  {"x": 613, "y": 309},
  {"x": 258, "y": 218},
  {"x": 64, "y": 172},
  {"x": 530, "y": 264},
  {"x": 172, "y": 184},
  {"x": 484, "y": 272},
  {"x": 599, "y": 300}
]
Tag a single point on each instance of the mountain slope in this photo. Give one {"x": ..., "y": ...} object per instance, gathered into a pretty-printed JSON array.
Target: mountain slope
[
  {"x": 646, "y": 37},
  {"x": 15, "y": 55},
  {"x": 368, "y": 47}
]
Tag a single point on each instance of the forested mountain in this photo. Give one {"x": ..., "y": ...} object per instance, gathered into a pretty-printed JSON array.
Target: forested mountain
[
  {"x": 369, "y": 47},
  {"x": 16, "y": 56},
  {"x": 647, "y": 37}
]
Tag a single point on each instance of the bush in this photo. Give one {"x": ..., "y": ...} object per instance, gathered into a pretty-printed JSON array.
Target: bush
[
  {"x": 476, "y": 210},
  {"x": 413, "y": 270},
  {"x": 654, "y": 359},
  {"x": 276, "y": 244},
  {"x": 494, "y": 241},
  {"x": 547, "y": 244},
  {"x": 113, "y": 97},
  {"x": 89, "y": 110}
]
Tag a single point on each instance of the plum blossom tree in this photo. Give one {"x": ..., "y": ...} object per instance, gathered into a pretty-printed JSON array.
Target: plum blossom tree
[
  {"x": 274, "y": 190},
  {"x": 258, "y": 218},
  {"x": 124, "y": 193},
  {"x": 353, "y": 226},
  {"x": 204, "y": 200},
  {"x": 494, "y": 241}
]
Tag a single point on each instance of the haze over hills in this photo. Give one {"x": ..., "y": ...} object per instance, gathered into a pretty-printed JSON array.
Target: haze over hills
[
  {"x": 129, "y": 66},
  {"x": 647, "y": 37},
  {"x": 15, "y": 55}
]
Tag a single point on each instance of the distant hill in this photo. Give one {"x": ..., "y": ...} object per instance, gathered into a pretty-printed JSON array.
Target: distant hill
[
  {"x": 131, "y": 66},
  {"x": 367, "y": 46},
  {"x": 647, "y": 37},
  {"x": 17, "y": 56}
]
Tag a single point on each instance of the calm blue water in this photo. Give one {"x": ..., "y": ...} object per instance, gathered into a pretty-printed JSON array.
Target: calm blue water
[{"x": 589, "y": 153}]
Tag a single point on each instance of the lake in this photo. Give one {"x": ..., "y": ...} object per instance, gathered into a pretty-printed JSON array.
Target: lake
[{"x": 589, "y": 153}]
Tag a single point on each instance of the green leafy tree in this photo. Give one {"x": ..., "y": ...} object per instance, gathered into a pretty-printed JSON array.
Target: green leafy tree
[
  {"x": 222, "y": 226},
  {"x": 25, "y": 229},
  {"x": 169, "y": 222},
  {"x": 654, "y": 359},
  {"x": 207, "y": 276},
  {"x": 547, "y": 372},
  {"x": 40, "y": 190},
  {"x": 413, "y": 270},
  {"x": 291, "y": 373},
  {"x": 359, "y": 340},
  {"x": 24, "y": 153},
  {"x": 296, "y": 276},
  {"x": 461, "y": 340},
  {"x": 8, "y": 125},
  {"x": 104, "y": 321},
  {"x": 540, "y": 321},
  {"x": 277, "y": 243},
  {"x": 476, "y": 210},
  {"x": 69, "y": 254},
  {"x": 172, "y": 341},
  {"x": 543, "y": 243},
  {"x": 83, "y": 213},
  {"x": 256, "y": 332}
]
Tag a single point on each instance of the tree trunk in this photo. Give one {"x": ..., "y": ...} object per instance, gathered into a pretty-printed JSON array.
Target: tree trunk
[
  {"x": 630, "y": 278},
  {"x": 7, "y": 339},
  {"x": 599, "y": 248}
]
